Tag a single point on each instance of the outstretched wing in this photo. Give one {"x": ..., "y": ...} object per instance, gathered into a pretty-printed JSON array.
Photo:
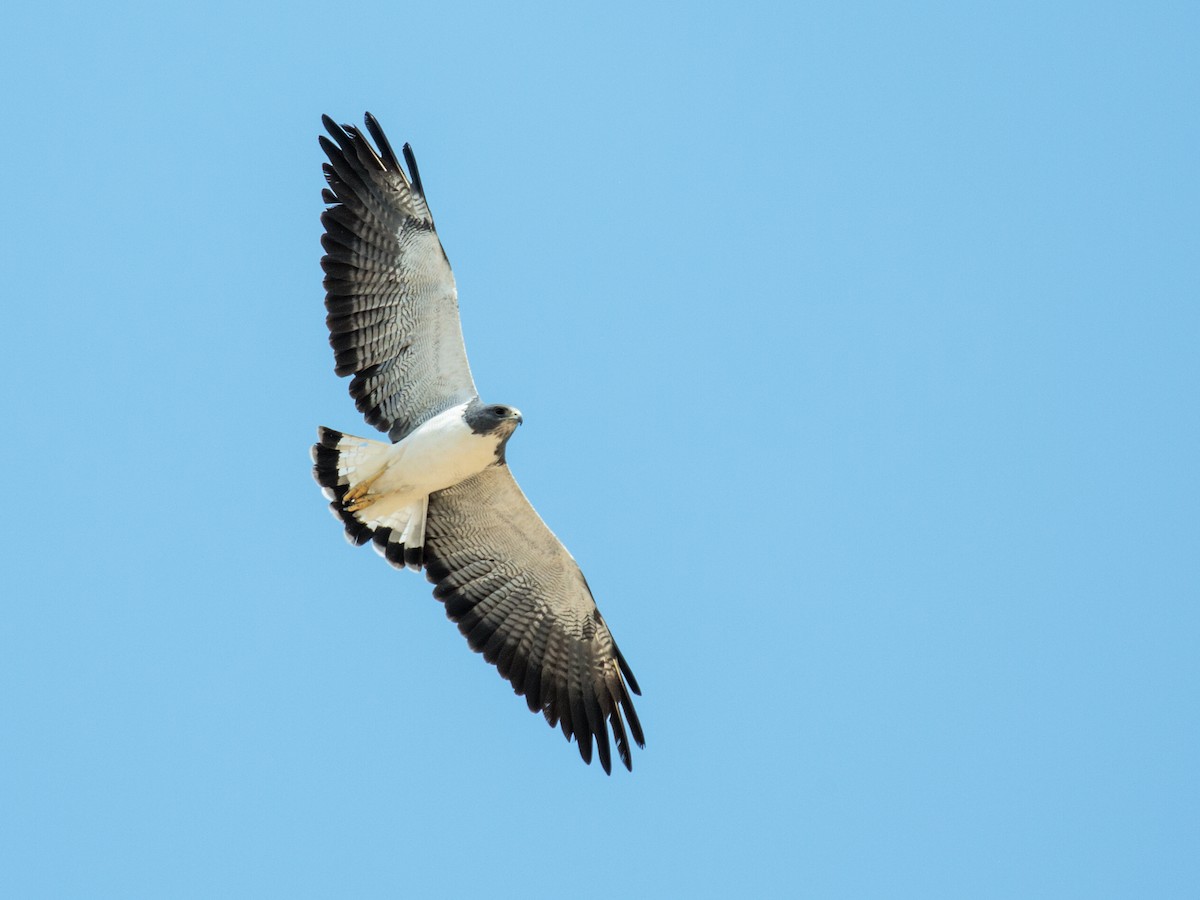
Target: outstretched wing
[
  {"x": 520, "y": 599},
  {"x": 393, "y": 308}
]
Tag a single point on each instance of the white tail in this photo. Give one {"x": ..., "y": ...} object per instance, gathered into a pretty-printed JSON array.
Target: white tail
[{"x": 345, "y": 466}]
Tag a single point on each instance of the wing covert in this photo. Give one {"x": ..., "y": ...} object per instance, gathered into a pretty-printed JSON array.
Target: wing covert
[
  {"x": 520, "y": 599},
  {"x": 390, "y": 294}
]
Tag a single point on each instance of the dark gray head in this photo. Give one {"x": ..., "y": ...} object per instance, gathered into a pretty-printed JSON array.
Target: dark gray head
[{"x": 493, "y": 418}]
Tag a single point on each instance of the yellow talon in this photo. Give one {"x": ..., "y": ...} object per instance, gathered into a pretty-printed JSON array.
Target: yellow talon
[{"x": 357, "y": 494}]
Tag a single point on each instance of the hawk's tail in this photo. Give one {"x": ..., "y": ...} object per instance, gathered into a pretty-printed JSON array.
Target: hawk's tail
[{"x": 342, "y": 463}]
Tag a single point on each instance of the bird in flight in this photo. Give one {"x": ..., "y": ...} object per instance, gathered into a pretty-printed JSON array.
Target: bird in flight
[{"x": 438, "y": 494}]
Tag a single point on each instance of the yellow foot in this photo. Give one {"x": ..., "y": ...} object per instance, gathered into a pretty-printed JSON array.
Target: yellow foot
[{"x": 356, "y": 498}]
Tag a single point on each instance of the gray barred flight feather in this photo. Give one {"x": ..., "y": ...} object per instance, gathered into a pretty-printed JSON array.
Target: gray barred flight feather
[{"x": 438, "y": 495}]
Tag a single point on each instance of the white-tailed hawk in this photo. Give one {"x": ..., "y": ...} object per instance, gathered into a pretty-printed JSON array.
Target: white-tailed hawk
[{"x": 439, "y": 495}]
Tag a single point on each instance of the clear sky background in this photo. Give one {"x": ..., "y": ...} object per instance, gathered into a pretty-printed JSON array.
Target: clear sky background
[{"x": 857, "y": 347}]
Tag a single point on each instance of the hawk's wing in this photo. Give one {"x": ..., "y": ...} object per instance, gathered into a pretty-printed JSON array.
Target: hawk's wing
[
  {"x": 520, "y": 599},
  {"x": 393, "y": 308}
]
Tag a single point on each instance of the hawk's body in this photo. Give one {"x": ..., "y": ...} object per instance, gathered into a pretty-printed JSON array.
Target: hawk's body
[{"x": 441, "y": 497}]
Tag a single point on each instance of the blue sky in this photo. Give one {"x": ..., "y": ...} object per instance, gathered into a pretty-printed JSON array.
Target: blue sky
[{"x": 857, "y": 347}]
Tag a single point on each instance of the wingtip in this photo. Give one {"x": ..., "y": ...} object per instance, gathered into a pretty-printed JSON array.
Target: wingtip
[
  {"x": 381, "y": 141},
  {"x": 334, "y": 129},
  {"x": 414, "y": 172},
  {"x": 626, "y": 671}
]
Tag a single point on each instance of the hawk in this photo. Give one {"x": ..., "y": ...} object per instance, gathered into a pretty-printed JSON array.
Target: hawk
[{"x": 438, "y": 495}]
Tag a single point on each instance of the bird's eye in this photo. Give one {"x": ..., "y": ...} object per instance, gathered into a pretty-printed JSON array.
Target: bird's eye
[{"x": 498, "y": 410}]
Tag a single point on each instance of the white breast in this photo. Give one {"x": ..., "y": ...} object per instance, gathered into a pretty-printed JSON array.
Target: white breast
[{"x": 441, "y": 453}]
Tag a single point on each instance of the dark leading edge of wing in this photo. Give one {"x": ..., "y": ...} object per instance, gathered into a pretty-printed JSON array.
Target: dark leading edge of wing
[{"x": 392, "y": 304}]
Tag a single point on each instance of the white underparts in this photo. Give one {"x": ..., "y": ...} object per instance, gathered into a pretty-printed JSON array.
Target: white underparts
[{"x": 388, "y": 485}]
